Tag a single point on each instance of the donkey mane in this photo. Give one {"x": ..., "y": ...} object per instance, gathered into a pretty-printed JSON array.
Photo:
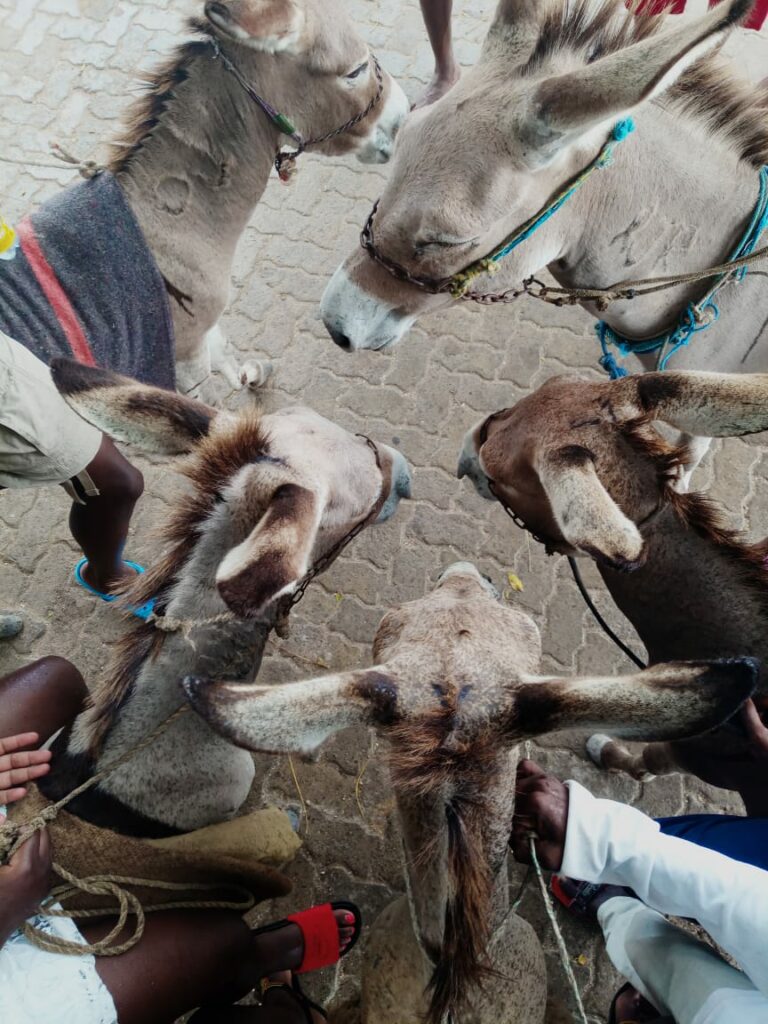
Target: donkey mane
[
  {"x": 160, "y": 85},
  {"x": 697, "y": 511},
  {"x": 214, "y": 461},
  {"x": 730, "y": 108},
  {"x": 429, "y": 758}
]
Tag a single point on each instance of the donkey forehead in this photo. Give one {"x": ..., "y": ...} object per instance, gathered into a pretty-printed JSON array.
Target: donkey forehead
[{"x": 335, "y": 43}]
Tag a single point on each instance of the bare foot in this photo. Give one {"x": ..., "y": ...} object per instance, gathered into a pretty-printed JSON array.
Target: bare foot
[
  {"x": 631, "y": 1006},
  {"x": 442, "y": 81}
]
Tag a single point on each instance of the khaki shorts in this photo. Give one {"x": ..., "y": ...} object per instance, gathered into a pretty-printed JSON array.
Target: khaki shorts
[{"x": 42, "y": 440}]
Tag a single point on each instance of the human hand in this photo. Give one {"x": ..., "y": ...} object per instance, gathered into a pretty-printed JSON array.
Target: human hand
[
  {"x": 541, "y": 806},
  {"x": 24, "y": 882},
  {"x": 18, "y": 765}
]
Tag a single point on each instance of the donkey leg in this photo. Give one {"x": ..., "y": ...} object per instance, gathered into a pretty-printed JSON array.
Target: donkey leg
[
  {"x": 654, "y": 759},
  {"x": 252, "y": 374}
]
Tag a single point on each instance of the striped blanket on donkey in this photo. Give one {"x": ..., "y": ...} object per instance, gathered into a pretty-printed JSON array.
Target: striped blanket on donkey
[{"x": 85, "y": 285}]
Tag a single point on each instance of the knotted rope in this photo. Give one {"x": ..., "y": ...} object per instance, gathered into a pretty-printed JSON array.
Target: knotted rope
[
  {"x": 66, "y": 161},
  {"x": 13, "y": 835}
]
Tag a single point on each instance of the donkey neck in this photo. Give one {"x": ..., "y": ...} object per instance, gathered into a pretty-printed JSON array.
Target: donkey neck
[
  {"x": 195, "y": 177},
  {"x": 693, "y": 597},
  {"x": 673, "y": 200},
  {"x": 190, "y": 776}
]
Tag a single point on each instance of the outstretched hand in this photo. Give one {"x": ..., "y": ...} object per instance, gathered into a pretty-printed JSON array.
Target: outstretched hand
[
  {"x": 541, "y": 807},
  {"x": 19, "y": 765}
]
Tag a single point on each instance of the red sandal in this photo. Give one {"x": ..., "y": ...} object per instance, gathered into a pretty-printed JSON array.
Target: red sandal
[{"x": 320, "y": 933}]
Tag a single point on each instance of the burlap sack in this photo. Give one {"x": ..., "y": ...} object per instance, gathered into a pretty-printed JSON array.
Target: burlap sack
[{"x": 86, "y": 850}]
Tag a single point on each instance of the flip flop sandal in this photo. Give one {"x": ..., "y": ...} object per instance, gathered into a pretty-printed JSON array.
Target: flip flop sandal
[
  {"x": 306, "y": 1004},
  {"x": 143, "y": 612},
  {"x": 320, "y": 933},
  {"x": 579, "y": 901}
]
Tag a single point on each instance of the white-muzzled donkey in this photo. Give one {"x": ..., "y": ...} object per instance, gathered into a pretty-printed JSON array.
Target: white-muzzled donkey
[
  {"x": 272, "y": 498},
  {"x": 453, "y": 692}
]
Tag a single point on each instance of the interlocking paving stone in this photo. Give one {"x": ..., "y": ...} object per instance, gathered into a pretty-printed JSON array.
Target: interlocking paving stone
[{"x": 69, "y": 68}]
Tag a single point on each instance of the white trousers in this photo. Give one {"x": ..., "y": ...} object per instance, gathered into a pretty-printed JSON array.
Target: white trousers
[{"x": 613, "y": 843}]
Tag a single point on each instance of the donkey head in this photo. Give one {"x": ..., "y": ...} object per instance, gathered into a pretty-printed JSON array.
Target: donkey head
[
  {"x": 582, "y": 464},
  {"x": 551, "y": 82},
  {"x": 452, "y": 693},
  {"x": 273, "y": 494},
  {"x": 315, "y": 68}
]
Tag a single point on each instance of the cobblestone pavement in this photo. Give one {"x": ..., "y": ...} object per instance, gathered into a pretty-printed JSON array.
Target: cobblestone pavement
[{"x": 68, "y": 70}]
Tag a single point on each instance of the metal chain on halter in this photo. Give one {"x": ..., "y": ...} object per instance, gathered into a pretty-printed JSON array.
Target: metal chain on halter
[
  {"x": 168, "y": 624},
  {"x": 285, "y": 160}
]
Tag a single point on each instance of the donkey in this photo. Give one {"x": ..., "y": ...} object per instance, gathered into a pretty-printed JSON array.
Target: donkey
[
  {"x": 585, "y": 470},
  {"x": 196, "y": 154},
  {"x": 272, "y": 496},
  {"x": 452, "y": 693},
  {"x": 553, "y": 79}
]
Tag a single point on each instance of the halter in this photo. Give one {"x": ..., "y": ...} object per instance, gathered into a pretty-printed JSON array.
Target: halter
[
  {"x": 285, "y": 160},
  {"x": 167, "y": 624},
  {"x": 458, "y": 284},
  {"x": 549, "y": 547}
]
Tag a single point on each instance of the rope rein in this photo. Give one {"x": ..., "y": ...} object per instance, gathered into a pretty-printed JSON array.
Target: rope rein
[
  {"x": 66, "y": 162},
  {"x": 13, "y": 835}
]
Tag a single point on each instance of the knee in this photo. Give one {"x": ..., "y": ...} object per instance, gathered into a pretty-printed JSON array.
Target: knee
[
  {"x": 118, "y": 479},
  {"x": 64, "y": 678}
]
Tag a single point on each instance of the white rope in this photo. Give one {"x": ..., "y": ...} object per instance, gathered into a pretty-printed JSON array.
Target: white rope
[
  {"x": 66, "y": 162},
  {"x": 562, "y": 949}
]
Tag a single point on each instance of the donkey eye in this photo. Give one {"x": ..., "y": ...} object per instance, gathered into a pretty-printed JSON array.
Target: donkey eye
[
  {"x": 429, "y": 245},
  {"x": 357, "y": 71}
]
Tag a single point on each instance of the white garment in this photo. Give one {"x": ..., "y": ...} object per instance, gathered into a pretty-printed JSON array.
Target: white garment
[
  {"x": 37, "y": 987},
  {"x": 613, "y": 843}
]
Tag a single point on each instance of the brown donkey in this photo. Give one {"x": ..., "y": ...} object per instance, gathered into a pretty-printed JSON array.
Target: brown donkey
[
  {"x": 453, "y": 692},
  {"x": 271, "y": 496},
  {"x": 586, "y": 471}
]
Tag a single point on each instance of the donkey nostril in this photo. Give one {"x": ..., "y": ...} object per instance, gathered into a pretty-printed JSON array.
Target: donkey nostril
[{"x": 340, "y": 339}]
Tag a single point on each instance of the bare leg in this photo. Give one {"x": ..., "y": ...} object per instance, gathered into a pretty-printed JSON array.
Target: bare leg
[
  {"x": 437, "y": 19},
  {"x": 42, "y": 697},
  {"x": 100, "y": 526},
  {"x": 195, "y": 958}
]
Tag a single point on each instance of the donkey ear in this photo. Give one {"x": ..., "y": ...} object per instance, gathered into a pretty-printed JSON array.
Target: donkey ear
[
  {"x": 270, "y": 25},
  {"x": 704, "y": 404},
  {"x": 588, "y": 517},
  {"x": 274, "y": 558},
  {"x": 514, "y": 30},
  {"x": 153, "y": 419},
  {"x": 567, "y": 106},
  {"x": 669, "y": 701},
  {"x": 294, "y": 716}
]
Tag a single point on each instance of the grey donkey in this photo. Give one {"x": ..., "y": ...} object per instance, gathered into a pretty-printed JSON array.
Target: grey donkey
[
  {"x": 453, "y": 692},
  {"x": 271, "y": 496}
]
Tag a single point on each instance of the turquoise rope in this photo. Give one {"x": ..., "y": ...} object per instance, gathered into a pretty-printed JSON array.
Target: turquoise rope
[
  {"x": 688, "y": 326},
  {"x": 620, "y": 131}
]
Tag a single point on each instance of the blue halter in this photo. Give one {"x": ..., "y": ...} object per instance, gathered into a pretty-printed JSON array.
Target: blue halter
[{"x": 696, "y": 317}]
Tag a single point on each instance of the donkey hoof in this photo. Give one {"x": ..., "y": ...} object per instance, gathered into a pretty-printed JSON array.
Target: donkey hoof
[
  {"x": 254, "y": 374},
  {"x": 596, "y": 744}
]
